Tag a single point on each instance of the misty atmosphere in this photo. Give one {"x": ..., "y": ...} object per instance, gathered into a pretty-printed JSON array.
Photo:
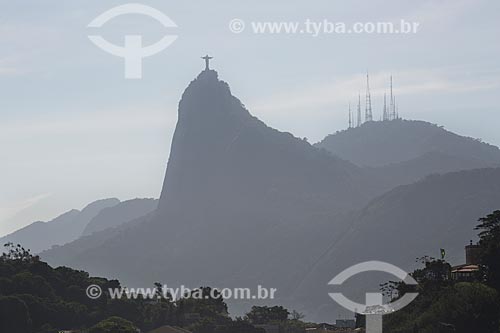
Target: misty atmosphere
[{"x": 214, "y": 168}]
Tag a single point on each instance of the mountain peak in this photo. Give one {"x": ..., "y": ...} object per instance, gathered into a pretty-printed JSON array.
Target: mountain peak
[
  {"x": 207, "y": 96},
  {"x": 209, "y": 118},
  {"x": 222, "y": 156},
  {"x": 208, "y": 74},
  {"x": 380, "y": 143}
]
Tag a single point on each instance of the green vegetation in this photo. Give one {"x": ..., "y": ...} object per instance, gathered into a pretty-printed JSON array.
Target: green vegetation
[
  {"x": 36, "y": 298},
  {"x": 265, "y": 314},
  {"x": 489, "y": 240},
  {"x": 114, "y": 325},
  {"x": 447, "y": 305}
]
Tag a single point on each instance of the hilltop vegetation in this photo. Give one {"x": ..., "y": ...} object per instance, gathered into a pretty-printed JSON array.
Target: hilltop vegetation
[
  {"x": 381, "y": 143},
  {"x": 36, "y": 298},
  {"x": 448, "y": 305}
]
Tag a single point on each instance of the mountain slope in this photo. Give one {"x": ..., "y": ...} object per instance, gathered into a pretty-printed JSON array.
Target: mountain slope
[
  {"x": 238, "y": 198},
  {"x": 221, "y": 155},
  {"x": 65, "y": 228},
  {"x": 119, "y": 214},
  {"x": 408, "y": 222},
  {"x": 381, "y": 143},
  {"x": 243, "y": 205},
  {"x": 407, "y": 172}
]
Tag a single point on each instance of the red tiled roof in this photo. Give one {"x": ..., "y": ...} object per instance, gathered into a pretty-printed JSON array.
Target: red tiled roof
[{"x": 465, "y": 269}]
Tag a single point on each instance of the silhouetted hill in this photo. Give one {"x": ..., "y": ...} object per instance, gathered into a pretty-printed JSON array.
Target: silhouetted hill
[
  {"x": 117, "y": 215},
  {"x": 407, "y": 172},
  {"x": 36, "y": 298},
  {"x": 224, "y": 158},
  {"x": 243, "y": 204},
  {"x": 409, "y": 222},
  {"x": 381, "y": 143},
  {"x": 65, "y": 228},
  {"x": 439, "y": 205},
  {"x": 238, "y": 199}
]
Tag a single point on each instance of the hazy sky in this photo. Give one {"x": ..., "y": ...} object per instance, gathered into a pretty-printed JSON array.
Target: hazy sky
[{"x": 73, "y": 130}]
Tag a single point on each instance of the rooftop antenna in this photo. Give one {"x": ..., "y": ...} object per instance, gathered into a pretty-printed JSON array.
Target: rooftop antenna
[
  {"x": 395, "y": 109},
  {"x": 350, "y": 116},
  {"x": 359, "y": 121},
  {"x": 368, "y": 107},
  {"x": 385, "y": 116},
  {"x": 393, "y": 105}
]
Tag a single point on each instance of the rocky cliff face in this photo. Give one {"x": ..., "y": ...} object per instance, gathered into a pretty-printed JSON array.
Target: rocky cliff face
[
  {"x": 223, "y": 158},
  {"x": 243, "y": 204}
]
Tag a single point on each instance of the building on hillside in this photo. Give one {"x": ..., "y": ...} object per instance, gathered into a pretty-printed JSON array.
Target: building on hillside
[
  {"x": 326, "y": 327},
  {"x": 469, "y": 270}
]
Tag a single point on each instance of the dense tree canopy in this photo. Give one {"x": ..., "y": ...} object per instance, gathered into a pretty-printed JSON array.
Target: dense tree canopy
[
  {"x": 266, "y": 314},
  {"x": 114, "y": 325},
  {"x": 447, "y": 305},
  {"x": 489, "y": 241},
  {"x": 35, "y": 297}
]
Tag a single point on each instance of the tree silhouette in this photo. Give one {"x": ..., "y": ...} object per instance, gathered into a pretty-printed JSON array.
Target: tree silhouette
[{"x": 489, "y": 241}]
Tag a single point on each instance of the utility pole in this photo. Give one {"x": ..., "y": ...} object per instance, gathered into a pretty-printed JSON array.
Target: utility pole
[
  {"x": 385, "y": 116},
  {"x": 368, "y": 107},
  {"x": 359, "y": 121},
  {"x": 350, "y": 116},
  {"x": 393, "y": 104}
]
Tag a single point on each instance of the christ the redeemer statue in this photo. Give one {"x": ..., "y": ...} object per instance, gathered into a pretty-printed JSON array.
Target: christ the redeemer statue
[{"x": 207, "y": 61}]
